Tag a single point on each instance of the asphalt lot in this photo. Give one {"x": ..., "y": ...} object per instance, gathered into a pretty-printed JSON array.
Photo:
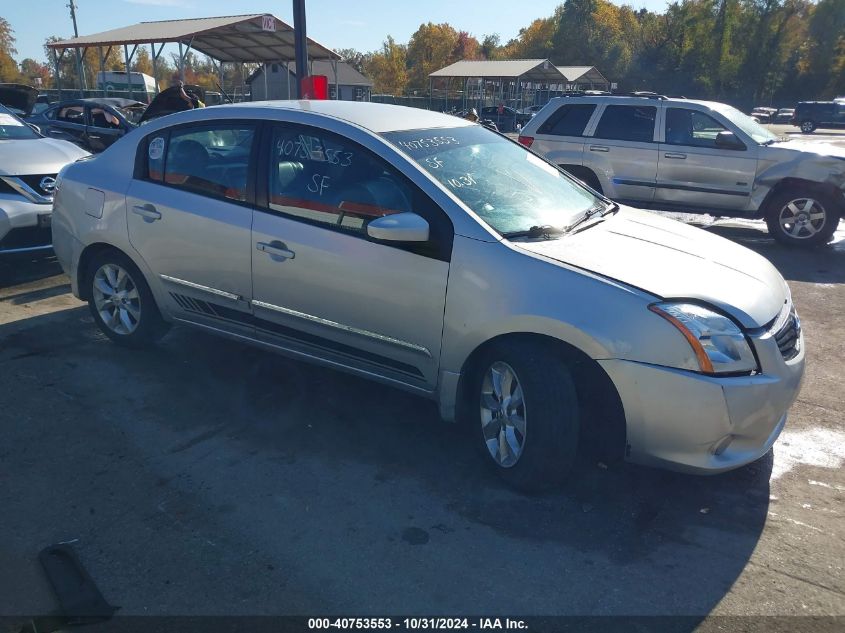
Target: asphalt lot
[{"x": 206, "y": 477}]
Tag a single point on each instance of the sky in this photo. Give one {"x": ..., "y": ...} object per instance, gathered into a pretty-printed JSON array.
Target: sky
[{"x": 359, "y": 24}]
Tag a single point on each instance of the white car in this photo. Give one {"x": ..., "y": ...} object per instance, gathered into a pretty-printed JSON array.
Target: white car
[
  {"x": 434, "y": 255},
  {"x": 28, "y": 167}
]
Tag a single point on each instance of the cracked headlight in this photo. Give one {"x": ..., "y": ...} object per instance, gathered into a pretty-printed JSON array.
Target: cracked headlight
[{"x": 718, "y": 343}]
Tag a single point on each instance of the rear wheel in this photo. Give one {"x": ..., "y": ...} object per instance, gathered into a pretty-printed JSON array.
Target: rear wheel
[
  {"x": 802, "y": 217},
  {"x": 808, "y": 127},
  {"x": 121, "y": 301},
  {"x": 524, "y": 406}
]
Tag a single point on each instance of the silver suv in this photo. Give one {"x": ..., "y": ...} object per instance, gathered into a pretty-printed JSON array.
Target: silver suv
[{"x": 694, "y": 156}]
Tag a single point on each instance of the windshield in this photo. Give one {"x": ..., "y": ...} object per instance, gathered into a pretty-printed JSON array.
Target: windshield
[
  {"x": 510, "y": 188},
  {"x": 748, "y": 125},
  {"x": 12, "y": 128}
]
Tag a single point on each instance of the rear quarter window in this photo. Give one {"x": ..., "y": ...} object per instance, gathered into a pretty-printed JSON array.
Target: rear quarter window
[{"x": 568, "y": 120}]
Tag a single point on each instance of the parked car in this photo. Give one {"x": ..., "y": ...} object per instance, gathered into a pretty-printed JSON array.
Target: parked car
[
  {"x": 531, "y": 110},
  {"x": 812, "y": 115},
  {"x": 172, "y": 100},
  {"x": 693, "y": 156},
  {"x": 93, "y": 124},
  {"x": 28, "y": 167},
  {"x": 431, "y": 254},
  {"x": 763, "y": 114},
  {"x": 784, "y": 115},
  {"x": 507, "y": 120}
]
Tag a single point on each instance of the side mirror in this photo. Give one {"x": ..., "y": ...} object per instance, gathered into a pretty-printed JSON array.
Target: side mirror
[
  {"x": 728, "y": 140},
  {"x": 35, "y": 128},
  {"x": 399, "y": 227}
]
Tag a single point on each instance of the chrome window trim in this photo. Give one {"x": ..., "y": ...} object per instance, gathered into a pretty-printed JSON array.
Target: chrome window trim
[
  {"x": 345, "y": 328},
  {"x": 195, "y": 286}
]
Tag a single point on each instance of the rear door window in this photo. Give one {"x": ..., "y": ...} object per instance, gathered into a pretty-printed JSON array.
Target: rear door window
[
  {"x": 568, "y": 120},
  {"x": 627, "y": 123},
  {"x": 209, "y": 160}
]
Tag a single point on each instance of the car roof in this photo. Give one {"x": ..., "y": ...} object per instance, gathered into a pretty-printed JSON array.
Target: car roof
[
  {"x": 621, "y": 99},
  {"x": 376, "y": 117}
]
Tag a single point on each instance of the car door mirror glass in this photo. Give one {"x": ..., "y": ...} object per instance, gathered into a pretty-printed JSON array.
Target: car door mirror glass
[
  {"x": 399, "y": 227},
  {"x": 728, "y": 140}
]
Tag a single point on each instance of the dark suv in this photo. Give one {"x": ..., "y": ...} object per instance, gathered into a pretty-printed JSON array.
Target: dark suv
[{"x": 811, "y": 115}]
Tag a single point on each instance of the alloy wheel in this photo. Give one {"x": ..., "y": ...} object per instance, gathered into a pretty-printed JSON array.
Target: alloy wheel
[
  {"x": 503, "y": 418},
  {"x": 116, "y": 299},
  {"x": 802, "y": 218}
]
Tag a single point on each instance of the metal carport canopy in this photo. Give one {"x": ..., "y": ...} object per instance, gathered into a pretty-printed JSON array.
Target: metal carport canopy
[
  {"x": 536, "y": 70},
  {"x": 255, "y": 37}
]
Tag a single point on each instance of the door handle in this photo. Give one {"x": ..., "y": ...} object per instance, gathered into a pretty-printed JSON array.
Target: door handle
[
  {"x": 275, "y": 249},
  {"x": 599, "y": 148},
  {"x": 147, "y": 211},
  {"x": 94, "y": 136},
  {"x": 674, "y": 155}
]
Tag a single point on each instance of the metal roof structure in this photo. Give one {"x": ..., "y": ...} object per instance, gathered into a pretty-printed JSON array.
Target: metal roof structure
[
  {"x": 538, "y": 70},
  {"x": 254, "y": 37},
  {"x": 582, "y": 74}
]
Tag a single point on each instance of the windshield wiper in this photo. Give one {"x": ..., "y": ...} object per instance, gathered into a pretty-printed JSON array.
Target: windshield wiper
[
  {"x": 545, "y": 231},
  {"x": 595, "y": 211}
]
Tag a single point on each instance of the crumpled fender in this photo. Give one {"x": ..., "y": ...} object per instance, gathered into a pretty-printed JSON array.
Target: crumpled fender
[{"x": 827, "y": 170}]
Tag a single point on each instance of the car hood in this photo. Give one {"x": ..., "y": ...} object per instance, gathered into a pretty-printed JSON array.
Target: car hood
[
  {"x": 810, "y": 147},
  {"x": 18, "y": 97},
  {"x": 36, "y": 156},
  {"x": 672, "y": 260}
]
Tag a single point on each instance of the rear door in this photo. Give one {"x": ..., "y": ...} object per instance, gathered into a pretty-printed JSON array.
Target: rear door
[
  {"x": 692, "y": 171},
  {"x": 623, "y": 151},
  {"x": 322, "y": 287},
  {"x": 560, "y": 138},
  {"x": 189, "y": 215}
]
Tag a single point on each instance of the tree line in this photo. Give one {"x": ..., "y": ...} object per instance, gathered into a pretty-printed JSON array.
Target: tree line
[{"x": 748, "y": 52}]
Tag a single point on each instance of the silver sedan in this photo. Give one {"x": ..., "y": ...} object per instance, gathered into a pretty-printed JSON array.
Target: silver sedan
[{"x": 433, "y": 255}]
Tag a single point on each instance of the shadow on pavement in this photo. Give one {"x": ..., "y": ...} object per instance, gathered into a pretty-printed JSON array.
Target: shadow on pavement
[
  {"x": 815, "y": 265},
  {"x": 370, "y": 478}
]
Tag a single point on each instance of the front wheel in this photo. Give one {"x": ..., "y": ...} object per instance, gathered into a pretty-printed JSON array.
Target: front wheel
[
  {"x": 525, "y": 410},
  {"x": 802, "y": 218},
  {"x": 122, "y": 303},
  {"x": 808, "y": 127}
]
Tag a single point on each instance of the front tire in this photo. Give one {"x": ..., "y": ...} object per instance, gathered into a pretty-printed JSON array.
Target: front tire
[
  {"x": 807, "y": 218},
  {"x": 524, "y": 408},
  {"x": 808, "y": 127},
  {"x": 121, "y": 302}
]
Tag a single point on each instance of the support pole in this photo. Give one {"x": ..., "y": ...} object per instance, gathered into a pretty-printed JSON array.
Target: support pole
[
  {"x": 181, "y": 63},
  {"x": 58, "y": 72},
  {"x": 154, "y": 59},
  {"x": 300, "y": 44},
  {"x": 336, "y": 86},
  {"x": 128, "y": 72},
  {"x": 287, "y": 74},
  {"x": 264, "y": 72}
]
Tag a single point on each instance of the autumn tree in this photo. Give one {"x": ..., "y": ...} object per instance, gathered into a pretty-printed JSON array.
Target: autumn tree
[
  {"x": 32, "y": 71},
  {"x": 387, "y": 68},
  {"x": 8, "y": 67},
  {"x": 430, "y": 48}
]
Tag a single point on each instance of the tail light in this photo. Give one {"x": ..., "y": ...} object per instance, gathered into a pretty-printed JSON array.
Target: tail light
[{"x": 526, "y": 140}]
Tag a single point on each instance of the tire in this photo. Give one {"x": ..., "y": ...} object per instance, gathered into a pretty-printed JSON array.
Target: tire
[
  {"x": 134, "y": 321},
  {"x": 538, "y": 452},
  {"x": 815, "y": 214},
  {"x": 808, "y": 127}
]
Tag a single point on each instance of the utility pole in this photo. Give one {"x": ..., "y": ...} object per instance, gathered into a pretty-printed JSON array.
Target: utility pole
[
  {"x": 300, "y": 44},
  {"x": 79, "y": 69}
]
